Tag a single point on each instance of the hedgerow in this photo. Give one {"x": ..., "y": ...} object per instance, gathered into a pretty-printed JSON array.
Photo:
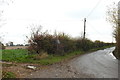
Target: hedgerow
[{"x": 59, "y": 44}]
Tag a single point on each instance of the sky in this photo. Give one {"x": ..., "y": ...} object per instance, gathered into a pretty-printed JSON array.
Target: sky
[{"x": 60, "y": 15}]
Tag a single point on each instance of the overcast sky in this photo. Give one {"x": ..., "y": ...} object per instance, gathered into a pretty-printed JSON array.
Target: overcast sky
[{"x": 60, "y": 15}]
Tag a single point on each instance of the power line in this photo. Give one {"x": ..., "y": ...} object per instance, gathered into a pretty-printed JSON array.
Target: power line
[
  {"x": 94, "y": 28},
  {"x": 94, "y": 8},
  {"x": 89, "y": 15}
]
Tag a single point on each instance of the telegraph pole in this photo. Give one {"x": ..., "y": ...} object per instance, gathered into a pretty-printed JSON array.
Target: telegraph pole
[{"x": 84, "y": 28}]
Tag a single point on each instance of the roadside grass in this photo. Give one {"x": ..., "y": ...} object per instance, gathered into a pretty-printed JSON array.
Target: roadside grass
[
  {"x": 22, "y": 56},
  {"x": 51, "y": 59},
  {"x": 8, "y": 75}
]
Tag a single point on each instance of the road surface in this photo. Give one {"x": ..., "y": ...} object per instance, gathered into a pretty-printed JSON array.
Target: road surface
[{"x": 98, "y": 64}]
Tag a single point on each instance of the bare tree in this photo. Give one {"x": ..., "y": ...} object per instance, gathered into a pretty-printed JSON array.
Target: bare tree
[{"x": 113, "y": 13}]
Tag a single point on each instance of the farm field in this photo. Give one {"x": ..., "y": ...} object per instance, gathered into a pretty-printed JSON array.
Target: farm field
[
  {"x": 16, "y": 47},
  {"x": 22, "y": 56}
]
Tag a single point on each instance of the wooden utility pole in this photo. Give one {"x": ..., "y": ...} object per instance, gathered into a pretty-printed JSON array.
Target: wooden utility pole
[{"x": 84, "y": 28}]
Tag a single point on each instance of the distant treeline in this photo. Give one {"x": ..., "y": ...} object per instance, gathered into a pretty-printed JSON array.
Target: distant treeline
[{"x": 60, "y": 44}]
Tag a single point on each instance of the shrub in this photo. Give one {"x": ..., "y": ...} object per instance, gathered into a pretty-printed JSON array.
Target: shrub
[{"x": 41, "y": 42}]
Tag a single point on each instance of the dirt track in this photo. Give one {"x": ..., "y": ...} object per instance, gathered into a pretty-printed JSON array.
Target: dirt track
[{"x": 16, "y": 47}]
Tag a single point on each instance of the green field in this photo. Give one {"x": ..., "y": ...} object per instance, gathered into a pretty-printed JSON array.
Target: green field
[
  {"x": 17, "y": 55},
  {"x": 21, "y": 55}
]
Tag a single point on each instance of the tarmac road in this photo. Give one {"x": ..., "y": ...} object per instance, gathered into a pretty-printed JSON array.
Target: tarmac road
[{"x": 98, "y": 64}]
